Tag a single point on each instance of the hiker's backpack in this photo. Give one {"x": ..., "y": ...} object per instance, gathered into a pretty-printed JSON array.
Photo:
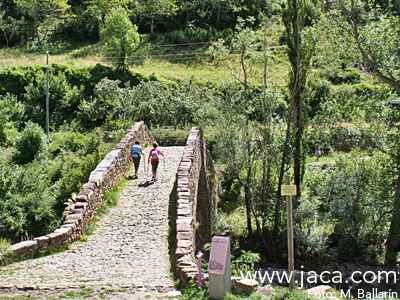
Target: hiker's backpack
[{"x": 154, "y": 154}]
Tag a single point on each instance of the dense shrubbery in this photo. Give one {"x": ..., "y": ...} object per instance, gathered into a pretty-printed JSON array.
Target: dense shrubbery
[
  {"x": 39, "y": 173},
  {"x": 31, "y": 141},
  {"x": 32, "y": 195},
  {"x": 15, "y": 80},
  {"x": 345, "y": 209},
  {"x": 348, "y": 75}
]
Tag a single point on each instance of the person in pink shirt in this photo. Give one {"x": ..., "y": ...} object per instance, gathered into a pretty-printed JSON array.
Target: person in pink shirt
[{"x": 154, "y": 156}]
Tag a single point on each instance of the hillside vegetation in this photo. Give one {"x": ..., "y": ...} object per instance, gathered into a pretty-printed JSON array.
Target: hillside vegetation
[{"x": 269, "y": 81}]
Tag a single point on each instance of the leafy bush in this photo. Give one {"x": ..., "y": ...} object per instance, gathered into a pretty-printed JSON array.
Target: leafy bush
[
  {"x": 63, "y": 99},
  {"x": 244, "y": 263},
  {"x": 12, "y": 218},
  {"x": 345, "y": 210},
  {"x": 5, "y": 251},
  {"x": 152, "y": 102},
  {"x": 11, "y": 116},
  {"x": 348, "y": 75},
  {"x": 31, "y": 141},
  {"x": 166, "y": 136}
]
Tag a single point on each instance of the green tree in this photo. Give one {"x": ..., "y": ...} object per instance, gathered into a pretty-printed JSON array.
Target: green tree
[
  {"x": 63, "y": 99},
  {"x": 366, "y": 35},
  {"x": 9, "y": 27},
  {"x": 44, "y": 15},
  {"x": 301, "y": 48},
  {"x": 120, "y": 36},
  {"x": 370, "y": 35},
  {"x": 155, "y": 10},
  {"x": 100, "y": 8},
  {"x": 252, "y": 165},
  {"x": 31, "y": 141}
]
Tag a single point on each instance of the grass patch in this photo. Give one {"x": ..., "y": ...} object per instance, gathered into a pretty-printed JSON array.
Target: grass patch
[
  {"x": 110, "y": 291},
  {"x": 52, "y": 251}
]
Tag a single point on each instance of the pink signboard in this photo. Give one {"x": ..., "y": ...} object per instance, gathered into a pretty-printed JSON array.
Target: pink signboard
[{"x": 218, "y": 255}]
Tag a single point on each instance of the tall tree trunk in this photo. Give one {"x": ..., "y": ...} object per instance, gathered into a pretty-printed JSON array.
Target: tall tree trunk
[
  {"x": 393, "y": 241},
  {"x": 281, "y": 174},
  {"x": 296, "y": 94},
  {"x": 247, "y": 200}
]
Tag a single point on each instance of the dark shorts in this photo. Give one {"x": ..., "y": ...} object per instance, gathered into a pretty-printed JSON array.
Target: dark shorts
[
  {"x": 154, "y": 165},
  {"x": 136, "y": 161}
]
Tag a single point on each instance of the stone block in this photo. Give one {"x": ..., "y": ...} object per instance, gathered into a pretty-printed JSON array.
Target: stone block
[
  {"x": 78, "y": 217},
  {"x": 182, "y": 251},
  {"x": 266, "y": 290},
  {"x": 77, "y": 211},
  {"x": 184, "y": 220},
  {"x": 187, "y": 259},
  {"x": 120, "y": 146},
  {"x": 182, "y": 181},
  {"x": 184, "y": 227},
  {"x": 24, "y": 248},
  {"x": 97, "y": 176},
  {"x": 184, "y": 235},
  {"x": 183, "y": 201},
  {"x": 56, "y": 238},
  {"x": 81, "y": 205},
  {"x": 90, "y": 186},
  {"x": 64, "y": 230},
  {"x": 184, "y": 244},
  {"x": 184, "y": 206},
  {"x": 42, "y": 241},
  {"x": 82, "y": 197},
  {"x": 184, "y": 212},
  {"x": 184, "y": 194},
  {"x": 72, "y": 226},
  {"x": 190, "y": 270},
  {"x": 71, "y": 221},
  {"x": 183, "y": 188},
  {"x": 183, "y": 173},
  {"x": 240, "y": 285}
]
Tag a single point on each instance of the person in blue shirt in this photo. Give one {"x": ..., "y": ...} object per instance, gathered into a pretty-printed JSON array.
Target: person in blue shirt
[{"x": 136, "y": 154}]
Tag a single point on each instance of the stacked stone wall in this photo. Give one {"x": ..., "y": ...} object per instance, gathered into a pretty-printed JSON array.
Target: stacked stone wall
[
  {"x": 195, "y": 205},
  {"x": 88, "y": 200}
]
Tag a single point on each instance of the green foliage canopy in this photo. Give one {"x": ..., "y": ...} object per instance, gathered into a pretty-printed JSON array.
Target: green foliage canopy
[
  {"x": 365, "y": 34},
  {"x": 120, "y": 36},
  {"x": 31, "y": 141},
  {"x": 44, "y": 15}
]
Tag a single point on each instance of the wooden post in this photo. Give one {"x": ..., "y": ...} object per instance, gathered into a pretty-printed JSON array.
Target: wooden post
[
  {"x": 47, "y": 94},
  {"x": 290, "y": 235}
]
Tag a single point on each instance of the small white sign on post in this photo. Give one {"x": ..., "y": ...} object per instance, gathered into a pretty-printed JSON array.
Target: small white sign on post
[
  {"x": 219, "y": 267},
  {"x": 288, "y": 190}
]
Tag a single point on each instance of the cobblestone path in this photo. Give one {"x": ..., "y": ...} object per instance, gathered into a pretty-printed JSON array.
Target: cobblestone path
[{"x": 127, "y": 252}]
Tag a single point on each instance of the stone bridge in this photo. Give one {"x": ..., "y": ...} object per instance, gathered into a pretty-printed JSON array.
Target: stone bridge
[{"x": 181, "y": 205}]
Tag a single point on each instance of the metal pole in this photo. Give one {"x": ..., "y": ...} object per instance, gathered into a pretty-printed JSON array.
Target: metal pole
[
  {"x": 47, "y": 94},
  {"x": 290, "y": 235},
  {"x": 199, "y": 256}
]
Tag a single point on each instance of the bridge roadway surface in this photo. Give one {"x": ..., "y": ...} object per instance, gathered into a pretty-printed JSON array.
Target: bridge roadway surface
[{"x": 125, "y": 258}]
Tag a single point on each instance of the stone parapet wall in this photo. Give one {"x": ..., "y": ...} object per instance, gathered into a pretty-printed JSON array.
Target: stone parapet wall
[
  {"x": 193, "y": 195},
  {"x": 88, "y": 200}
]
